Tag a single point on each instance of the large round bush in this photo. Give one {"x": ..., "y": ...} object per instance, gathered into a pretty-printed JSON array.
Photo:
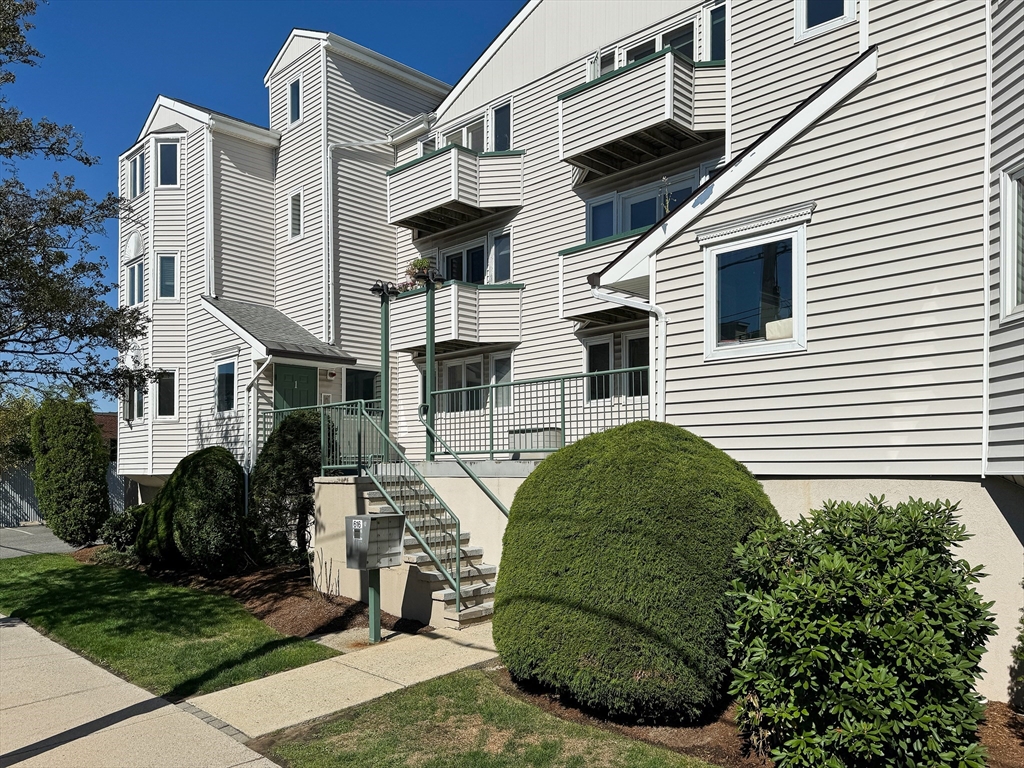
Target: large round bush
[
  {"x": 198, "y": 516},
  {"x": 614, "y": 571}
]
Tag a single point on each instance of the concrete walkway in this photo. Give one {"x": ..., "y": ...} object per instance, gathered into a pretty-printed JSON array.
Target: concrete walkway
[
  {"x": 58, "y": 710},
  {"x": 292, "y": 697}
]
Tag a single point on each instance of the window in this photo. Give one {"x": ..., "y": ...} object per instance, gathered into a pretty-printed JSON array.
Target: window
[
  {"x": 716, "y": 36},
  {"x": 501, "y": 120},
  {"x": 755, "y": 295},
  {"x": 460, "y": 375},
  {"x": 361, "y": 385},
  {"x": 1011, "y": 239},
  {"x": 501, "y": 258},
  {"x": 480, "y": 262},
  {"x": 601, "y": 221},
  {"x": 294, "y": 101},
  {"x": 638, "y": 208},
  {"x": 501, "y": 373},
  {"x": 680, "y": 40},
  {"x": 136, "y": 284},
  {"x": 427, "y": 145},
  {"x": 598, "y": 354},
  {"x": 816, "y": 16},
  {"x": 134, "y": 404},
  {"x": 225, "y": 387},
  {"x": 638, "y": 52},
  {"x": 295, "y": 215},
  {"x": 470, "y": 136},
  {"x": 468, "y": 264},
  {"x": 636, "y": 349},
  {"x": 168, "y": 283},
  {"x": 605, "y": 63},
  {"x": 167, "y": 163},
  {"x": 166, "y": 394},
  {"x": 137, "y": 175}
]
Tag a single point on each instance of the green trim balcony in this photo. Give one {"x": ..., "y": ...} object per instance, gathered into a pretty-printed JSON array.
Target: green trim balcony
[
  {"x": 465, "y": 316},
  {"x": 575, "y": 301},
  {"x": 453, "y": 186},
  {"x": 653, "y": 107}
]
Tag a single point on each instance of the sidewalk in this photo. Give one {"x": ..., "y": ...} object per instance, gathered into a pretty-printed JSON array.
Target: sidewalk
[
  {"x": 58, "y": 710},
  {"x": 292, "y": 697}
]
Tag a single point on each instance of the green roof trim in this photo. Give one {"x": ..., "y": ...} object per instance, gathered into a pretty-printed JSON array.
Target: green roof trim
[
  {"x": 503, "y": 153},
  {"x": 604, "y": 241},
  {"x": 709, "y": 64},
  {"x": 623, "y": 70},
  {"x": 489, "y": 286}
]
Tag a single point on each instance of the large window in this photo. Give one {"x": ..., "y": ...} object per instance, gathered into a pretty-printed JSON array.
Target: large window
[
  {"x": 638, "y": 208},
  {"x": 137, "y": 175},
  {"x": 1011, "y": 209},
  {"x": 361, "y": 385},
  {"x": 294, "y": 101},
  {"x": 225, "y": 387},
  {"x": 816, "y": 16},
  {"x": 166, "y": 394},
  {"x": 136, "y": 283},
  {"x": 680, "y": 39},
  {"x": 168, "y": 283},
  {"x": 167, "y": 163},
  {"x": 754, "y": 295},
  {"x": 482, "y": 261},
  {"x": 467, "y": 264}
]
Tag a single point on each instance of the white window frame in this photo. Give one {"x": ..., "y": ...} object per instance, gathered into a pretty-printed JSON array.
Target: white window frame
[
  {"x": 289, "y": 123},
  {"x": 489, "y": 126},
  {"x": 462, "y": 362},
  {"x": 135, "y": 278},
  {"x": 176, "y": 298},
  {"x": 588, "y": 342},
  {"x": 421, "y": 144},
  {"x": 511, "y": 377},
  {"x": 692, "y": 178},
  {"x": 217, "y": 363},
  {"x": 802, "y": 32},
  {"x": 137, "y": 175},
  {"x": 159, "y": 163},
  {"x": 489, "y": 279},
  {"x": 705, "y": 32},
  {"x": 625, "y": 338},
  {"x": 155, "y": 390},
  {"x": 302, "y": 223},
  {"x": 463, "y": 128},
  {"x": 1011, "y": 183},
  {"x": 693, "y": 21},
  {"x": 798, "y": 343},
  {"x": 463, "y": 248},
  {"x": 138, "y": 407}
]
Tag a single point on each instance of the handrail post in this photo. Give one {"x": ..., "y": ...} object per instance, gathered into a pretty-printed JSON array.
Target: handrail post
[
  {"x": 431, "y": 372},
  {"x": 491, "y": 392},
  {"x": 323, "y": 440},
  {"x": 385, "y": 361},
  {"x": 561, "y": 397}
]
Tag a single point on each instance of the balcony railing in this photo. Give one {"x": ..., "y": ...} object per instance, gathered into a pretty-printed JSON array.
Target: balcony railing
[
  {"x": 342, "y": 442},
  {"x": 531, "y": 418},
  {"x": 655, "y": 106},
  {"x": 453, "y": 186},
  {"x": 465, "y": 315},
  {"x": 575, "y": 300}
]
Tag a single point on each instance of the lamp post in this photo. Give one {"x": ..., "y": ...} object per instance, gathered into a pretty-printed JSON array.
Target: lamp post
[
  {"x": 385, "y": 291},
  {"x": 430, "y": 278}
]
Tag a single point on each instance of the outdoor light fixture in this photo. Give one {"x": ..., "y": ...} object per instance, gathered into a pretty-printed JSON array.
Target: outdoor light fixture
[{"x": 380, "y": 288}]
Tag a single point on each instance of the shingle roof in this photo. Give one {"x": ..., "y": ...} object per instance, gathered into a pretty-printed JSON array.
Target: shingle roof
[{"x": 279, "y": 334}]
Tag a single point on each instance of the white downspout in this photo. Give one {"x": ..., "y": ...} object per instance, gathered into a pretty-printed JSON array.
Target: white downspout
[{"x": 661, "y": 367}]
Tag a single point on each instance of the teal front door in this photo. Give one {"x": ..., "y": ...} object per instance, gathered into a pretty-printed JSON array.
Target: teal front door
[{"x": 294, "y": 386}]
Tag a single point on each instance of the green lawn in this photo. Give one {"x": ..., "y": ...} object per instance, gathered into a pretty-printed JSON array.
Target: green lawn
[
  {"x": 463, "y": 720},
  {"x": 172, "y": 641}
]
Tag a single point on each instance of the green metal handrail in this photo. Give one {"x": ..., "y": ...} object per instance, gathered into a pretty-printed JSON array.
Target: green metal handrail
[
  {"x": 387, "y": 484},
  {"x": 421, "y": 413}
]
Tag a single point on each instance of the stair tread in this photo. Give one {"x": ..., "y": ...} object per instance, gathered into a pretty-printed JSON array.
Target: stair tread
[
  {"x": 473, "y": 612},
  {"x": 469, "y": 590},
  {"x": 423, "y": 557},
  {"x": 429, "y": 573}
]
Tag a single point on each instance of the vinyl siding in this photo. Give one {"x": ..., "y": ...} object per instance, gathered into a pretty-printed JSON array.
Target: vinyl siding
[
  {"x": 891, "y": 381},
  {"x": 1006, "y": 341},
  {"x": 243, "y": 219}
]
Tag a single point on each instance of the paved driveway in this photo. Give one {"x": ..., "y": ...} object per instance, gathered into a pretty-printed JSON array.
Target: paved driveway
[{"x": 30, "y": 540}]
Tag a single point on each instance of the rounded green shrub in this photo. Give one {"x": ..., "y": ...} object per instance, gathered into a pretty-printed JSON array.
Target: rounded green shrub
[
  {"x": 614, "y": 570},
  {"x": 282, "y": 485},
  {"x": 70, "y": 474},
  {"x": 858, "y": 636},
  {"x": 198, "y": 516},
  {"x": 120, "y": 531}
]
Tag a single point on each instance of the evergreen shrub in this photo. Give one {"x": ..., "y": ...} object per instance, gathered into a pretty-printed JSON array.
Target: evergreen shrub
[
  {"x": 1017, "y": 670},
  {"x": 70, "y": 474},
  {"x": 614, "y": 571},
  {"x": 120, "y": 531},
  {"x": 858, "y": 636},
  {"x": 282, "y": 484},
  {"x": 198, "y": 516}
]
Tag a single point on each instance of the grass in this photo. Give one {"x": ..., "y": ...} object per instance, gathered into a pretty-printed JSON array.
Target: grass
[
  {"x": 462, "y": 720},
  {"x": 172, "y": 641}
]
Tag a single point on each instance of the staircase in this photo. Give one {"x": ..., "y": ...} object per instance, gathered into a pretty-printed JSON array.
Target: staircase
[{"x": 425, "y": 514}]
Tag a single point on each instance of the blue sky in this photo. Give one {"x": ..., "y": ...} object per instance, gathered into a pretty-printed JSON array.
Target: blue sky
[{"x": 105, "y": 61}]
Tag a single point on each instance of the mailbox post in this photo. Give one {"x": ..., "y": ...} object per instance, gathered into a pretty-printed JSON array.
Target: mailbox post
[{"x": 373, "y": 542}]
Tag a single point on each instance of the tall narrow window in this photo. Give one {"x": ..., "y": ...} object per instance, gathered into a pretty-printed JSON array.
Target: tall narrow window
[
  {"x": 134, "y": 404},
  {"x": 680, "y": 40},
  {"x": 501, "y": 377},
  {"x": 295, "y": 101},
  {"x": 167, "y": 161},
  {"x": 475, "y": 136},
  {"x": 638, "y": 355},
  {"x": 602, "y": 220},
  {"x": 599, "y": 358},
  {"x": 453, "y": 266},
  {"x": 137, "y": 175},
  {"x": 502, "y": 128},
  {"x": 225, "y": 387},
  {"x": 168, "y": 276},
  {"x": 502, "y": 258},
  {"x": 295, "y": 215},
  {"x": 1011, "y": 239},
  {"x": 717, "y": 36},
  {"x": 136, "y": 284},
  {"x": 606, "y": 63},
  {"x": 165, "y": 393},
  {"x": 476, "y": 265}
]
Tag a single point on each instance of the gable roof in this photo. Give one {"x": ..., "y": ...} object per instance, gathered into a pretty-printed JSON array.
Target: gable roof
[
  {"x": 270, "y": 332},
  {"x": 633, "y": 262},
  {"x": 216, "y": 120}
]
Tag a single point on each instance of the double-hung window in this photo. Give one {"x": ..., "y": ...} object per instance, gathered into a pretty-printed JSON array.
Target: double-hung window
[
  {"x": 136, "y": 283},
  {"x": 166, "y": 394},
  {"x": 755, "y": 295},
  {"x": 137, "y": 175},
  {"x": 167, "y": 163},
  {"x": 168, "y": 277},
  {"x": 816, "y": 16},
  {"x": 1011, "y": 240},
  {"x": 598, "y": 357},
  {"x": 226, "y": 387}
]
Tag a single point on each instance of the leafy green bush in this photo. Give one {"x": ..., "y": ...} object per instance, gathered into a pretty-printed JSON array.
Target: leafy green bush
[
  {"x": 858, "y": 637},
  {"x": 198, "y": 516},
  {"x": 1017, "y": 671},
  {"x": 615, "y": 564},
  {"x": 120, "y": 531},
  {"x": 282, "y": 484},
  {"x": 70, "y": 473}
]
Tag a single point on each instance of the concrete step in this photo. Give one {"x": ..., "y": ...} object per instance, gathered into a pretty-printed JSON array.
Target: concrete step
[
  {"x": 469, "y": 555},
  {"x": 468, "y": 615},
  {"x": 376, "y": 496},
  {"x": 433, "y": 539},
  {"x": 469, "y": 591},
  {"x": 468, "y": 574}
]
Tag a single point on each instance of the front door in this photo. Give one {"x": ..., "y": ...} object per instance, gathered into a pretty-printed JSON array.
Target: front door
[{"x": 294, "y": 386}]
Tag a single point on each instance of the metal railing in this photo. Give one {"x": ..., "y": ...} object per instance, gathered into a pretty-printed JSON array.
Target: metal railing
[
  {"x": 338, "y": 430},
  {"x": 533, "y": 417}
]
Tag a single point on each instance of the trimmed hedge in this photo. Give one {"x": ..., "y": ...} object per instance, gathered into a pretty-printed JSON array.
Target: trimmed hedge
[
  {"x": 120, "y": 531},
  {"x": 70, "y": 474},
  {"x": 197, "y": 517},
  {"x": 614, "y": 569},
  {"x": 858, "y": 637}
]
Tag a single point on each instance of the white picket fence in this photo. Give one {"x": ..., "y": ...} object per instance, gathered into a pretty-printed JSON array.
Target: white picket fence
[{"x": 18, "y": 504}]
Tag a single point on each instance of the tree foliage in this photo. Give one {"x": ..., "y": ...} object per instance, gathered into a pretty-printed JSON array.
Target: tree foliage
[
  {"x": 16, "y": 412},
  {"x": 70, "y": 474},
  {"x": 55, "y": 324},
  {"x": 858, "y": 638}
]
